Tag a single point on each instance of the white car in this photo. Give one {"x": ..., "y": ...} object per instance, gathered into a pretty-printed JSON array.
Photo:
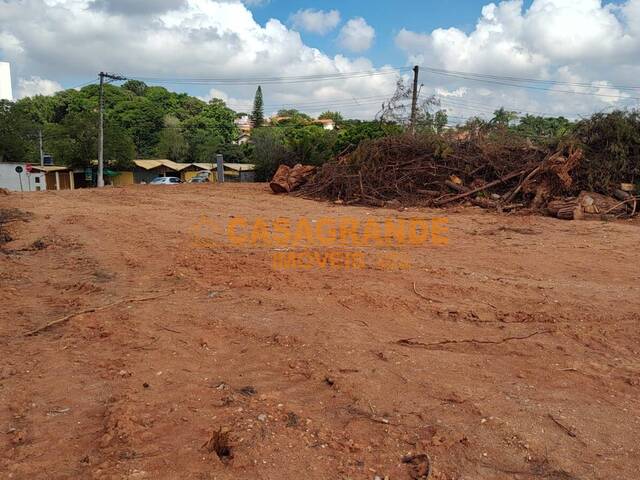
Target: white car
[{"x": 165, "y": 181}]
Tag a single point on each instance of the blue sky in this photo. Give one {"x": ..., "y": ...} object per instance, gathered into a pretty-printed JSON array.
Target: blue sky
[{"x": 386, "y": 16}]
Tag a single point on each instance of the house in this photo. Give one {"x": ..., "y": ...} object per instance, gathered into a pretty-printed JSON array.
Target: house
[
  {"x": 40, "y": 178},
  {"x": 244, "y": 124},
  {"x": 326, "y": 123},
  {"x": 243, "y": 139}
]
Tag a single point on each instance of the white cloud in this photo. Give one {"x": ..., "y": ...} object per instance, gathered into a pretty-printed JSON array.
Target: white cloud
[
  {"x": 71, "y": 39},
  {"x": 582, "y": 41},
  {"x": 37, "y": 86},
  {"x": 316, "y": 21},
  {"x": 357, "y": 35}
]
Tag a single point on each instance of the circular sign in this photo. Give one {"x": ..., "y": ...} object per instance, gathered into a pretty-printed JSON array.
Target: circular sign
[
  {"x": 19, "y": 169},
  {"x": 28, "y": 167}
]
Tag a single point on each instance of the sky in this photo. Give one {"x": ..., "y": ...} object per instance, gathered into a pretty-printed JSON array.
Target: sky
[{"x": 581, "y": 56}]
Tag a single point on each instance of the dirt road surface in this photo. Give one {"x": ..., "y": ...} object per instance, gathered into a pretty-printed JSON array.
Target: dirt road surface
[{"x": 514, "y": 357}]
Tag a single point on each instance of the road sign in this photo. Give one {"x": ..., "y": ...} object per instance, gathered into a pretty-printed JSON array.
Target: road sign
[
  {"x": 28, "y": 167},
  {"x": 19, "y": 169}
]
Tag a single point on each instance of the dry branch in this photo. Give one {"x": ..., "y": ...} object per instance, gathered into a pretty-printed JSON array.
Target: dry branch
[
  {"x": 66, "y": 318},
  {"x": 413, "y": 344},
  {"x": 420, "y": 169}
]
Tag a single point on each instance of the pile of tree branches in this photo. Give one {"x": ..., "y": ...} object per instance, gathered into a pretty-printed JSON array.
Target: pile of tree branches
[{"x": 501, "y": 170}]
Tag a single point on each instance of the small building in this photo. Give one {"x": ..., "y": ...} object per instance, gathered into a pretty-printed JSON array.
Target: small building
[
  {"x": 40, "y": 178},
  {"x": 243, "y": 139},
  {"x": 56, "y": 177},
  {"x": 233, "y": 172},
  {"x": 147, "y": 170},
  {"x": 326, "y": 123},
  {"x": 239, "y": 172}
]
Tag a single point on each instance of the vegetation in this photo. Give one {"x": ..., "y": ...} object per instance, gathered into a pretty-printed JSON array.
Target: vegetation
[
  {"x": 140, "y": 122},
  {"x": 257, "y": 115},
  {"x": 145, "y": 122}
]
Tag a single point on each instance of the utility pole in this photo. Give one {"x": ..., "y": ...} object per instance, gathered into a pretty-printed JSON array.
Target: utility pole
[
  {"x": 41, "y": 150},
  {"x": 414, "y": 102},
  {"x": 103, "y": 75}
]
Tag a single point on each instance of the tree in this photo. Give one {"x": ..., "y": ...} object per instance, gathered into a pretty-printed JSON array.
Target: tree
[
  {"x": 535, "y": 126},
  {"x": 335, "y": 116},
  {"x": 136, "y": 86},
  {"x": 172, "y": 144},
  {"x": 18, "y": 133},
  {"x": 270, "y": 152},
  {"x": 208, "y": 130},
  {"x": 294, "y": 117},
  {"x": 311, "y": 144},
  {"x": 143, "y": 120},
  {"x": 503, "y": 118},
  {"x": 355, "y": 131},
  {"x": 257, "y": 115}
]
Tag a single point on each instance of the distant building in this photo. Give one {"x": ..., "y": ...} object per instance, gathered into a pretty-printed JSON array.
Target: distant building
[
  {"x": 243, "y": 123},
  {"x": 326, "y": 123},
  {"x": 5, "y": 82},
  {"x": 40, "y": 178},
  {"x": 243, "y": 139},
  {"x": 147, "y": 170}
]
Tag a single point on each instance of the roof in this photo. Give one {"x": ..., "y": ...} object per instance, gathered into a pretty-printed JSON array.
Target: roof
[
  {"x": 240, "y": 167},
  {"x": 325, "y": 121},
  {"x": 50, "y": 168},
  {"x": 237, "y": 167},
  {"x": 204, "y": 166},
  {"x": 151, "y": 164}
]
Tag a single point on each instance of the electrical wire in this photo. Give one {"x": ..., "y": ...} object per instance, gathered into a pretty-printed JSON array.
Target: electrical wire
[
  {"x": 529, "y": 80},
  {"x": 247, "y": 80},
  {"x": 473, "y": 78}
]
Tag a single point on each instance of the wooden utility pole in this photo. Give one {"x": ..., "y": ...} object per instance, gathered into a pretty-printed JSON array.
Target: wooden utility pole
[
  {"x": 103, "y": 75},
  {"x": 414, "y": 102}
]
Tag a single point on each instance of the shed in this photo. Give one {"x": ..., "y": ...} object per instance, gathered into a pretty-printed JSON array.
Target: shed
[
  {"x": 240, "y": 172},
  {"x": 233, "y": 172},
  {"x": 147, "y": 170},
  {"x": 57, "y": 177}
]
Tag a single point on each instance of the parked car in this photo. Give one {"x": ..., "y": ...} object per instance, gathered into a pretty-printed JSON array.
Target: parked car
[
  {"x": 165, "y": 181},
  {"x": 199, "y": 179}
]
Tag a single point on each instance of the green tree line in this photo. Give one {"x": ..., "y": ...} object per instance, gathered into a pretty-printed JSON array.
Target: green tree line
[{"x": 140, "y": 122}]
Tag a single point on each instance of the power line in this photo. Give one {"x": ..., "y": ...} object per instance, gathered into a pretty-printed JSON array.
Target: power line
[
  {"x": 321, "y": 103},
  {"x": 247, "y": 80},
  {"x": 529, "y": 80},
  {"x": 474, "y": 78}
]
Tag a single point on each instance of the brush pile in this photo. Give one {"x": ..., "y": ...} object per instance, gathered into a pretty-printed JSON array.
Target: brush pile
[{"x": 501, "y": 171}]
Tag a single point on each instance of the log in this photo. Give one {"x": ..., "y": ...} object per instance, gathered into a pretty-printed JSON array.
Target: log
[
  {"x": 479, "y": 189},
  {"x": 555, "y": 206}
]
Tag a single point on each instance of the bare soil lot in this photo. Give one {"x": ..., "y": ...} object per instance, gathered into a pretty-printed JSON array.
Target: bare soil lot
[{"x": 511, "y": 353}]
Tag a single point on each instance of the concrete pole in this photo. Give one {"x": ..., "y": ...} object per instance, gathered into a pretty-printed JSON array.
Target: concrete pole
[
  {"x": 41, "y": 149},
  {"x": 220, "y": 167},
  {"x": 100, "y": 180},
  {"x": 414, "y": 100}
]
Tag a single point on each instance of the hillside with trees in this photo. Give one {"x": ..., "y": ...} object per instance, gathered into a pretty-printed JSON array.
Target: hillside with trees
[{"x": 140, "y": 122}]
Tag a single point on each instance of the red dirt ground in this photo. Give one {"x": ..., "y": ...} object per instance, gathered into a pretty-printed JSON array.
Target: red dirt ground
[{"x": 515, "y": 357}]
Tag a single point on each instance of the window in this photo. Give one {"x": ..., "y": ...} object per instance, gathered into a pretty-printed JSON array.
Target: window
[{"x": 37, "y": 179}]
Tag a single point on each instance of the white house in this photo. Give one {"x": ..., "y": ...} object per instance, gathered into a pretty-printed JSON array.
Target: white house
[
  {"x": 40, "y": 178},
  {"x": 326, "y": 123}
]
